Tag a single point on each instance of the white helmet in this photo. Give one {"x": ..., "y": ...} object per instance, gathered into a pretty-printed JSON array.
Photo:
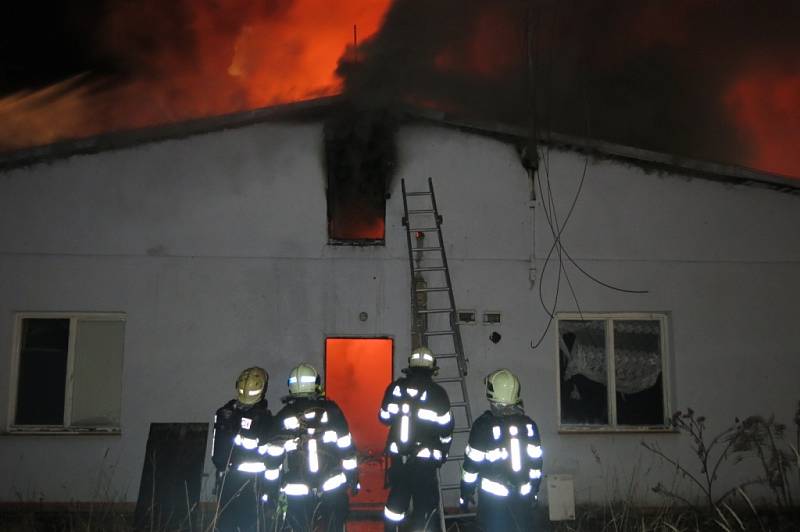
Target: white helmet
[
  {"x": 422, "y": 357},
  {"x": 502, "y": 387},
  {"x": 304, "y": 380}
]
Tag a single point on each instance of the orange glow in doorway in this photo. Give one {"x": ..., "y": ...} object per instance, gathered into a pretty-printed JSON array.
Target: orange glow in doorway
[{"x": 357, "y": 372}]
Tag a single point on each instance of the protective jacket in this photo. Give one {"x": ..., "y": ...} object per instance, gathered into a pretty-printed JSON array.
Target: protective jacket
[
  {"x": 417, "y": 411},
  {"x": 503, "y": 456},
  {"x": 319, "y": 452},
  {"x": 239, "y": 438}
]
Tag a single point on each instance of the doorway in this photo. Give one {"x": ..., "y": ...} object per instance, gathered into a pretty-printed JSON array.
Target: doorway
[{"x": 357, "y": 372}]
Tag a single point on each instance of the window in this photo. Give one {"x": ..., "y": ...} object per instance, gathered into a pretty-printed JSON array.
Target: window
[
  {"x": 67, "y": 372},
  {"x": 612, "y": 371},
  {"x": 360, "y": 156}
]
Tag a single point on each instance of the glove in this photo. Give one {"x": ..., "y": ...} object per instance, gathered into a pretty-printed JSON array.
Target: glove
[{"x": 465, "y": 501}]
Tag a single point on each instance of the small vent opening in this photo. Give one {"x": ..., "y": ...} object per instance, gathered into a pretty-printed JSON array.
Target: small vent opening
[{"x": 492, "y": 317}]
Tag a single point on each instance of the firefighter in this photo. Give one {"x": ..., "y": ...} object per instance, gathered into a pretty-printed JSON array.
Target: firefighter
[
  {"x": 320, "y": 458},
  {"x": 503, "y": 459},
  {"x": 237, "y": 450},
  {"x": 417, "y": 411}
]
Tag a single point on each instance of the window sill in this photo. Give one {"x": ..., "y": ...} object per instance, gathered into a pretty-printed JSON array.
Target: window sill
[
  {"x": 62, "y": 431},
  {"x": 616, "y": 430},
  {"x": 365, "y": 242}
]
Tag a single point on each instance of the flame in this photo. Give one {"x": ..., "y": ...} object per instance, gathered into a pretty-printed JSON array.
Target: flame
[
  {"x": 487, "y": 50},
  {"x": 45, "y": 115},
  {"x": 196, "y": 59},
  {"x": 295, "y": 57},
  {"x": 358, "y": 223},
  {"x": 766, "y": 108}
]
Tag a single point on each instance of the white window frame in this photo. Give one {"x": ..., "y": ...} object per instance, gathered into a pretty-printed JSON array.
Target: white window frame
[
  {"x": 608, "y": 318},
  {"x": 73, "y": 318}
]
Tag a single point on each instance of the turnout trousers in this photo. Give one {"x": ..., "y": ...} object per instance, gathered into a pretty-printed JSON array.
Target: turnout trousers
[
  {"x": 513, "y": 513},
  {"x": 413, "y": 493},
  {"x": 324, "y": 513},
  {"x": 240, "y": 507}
]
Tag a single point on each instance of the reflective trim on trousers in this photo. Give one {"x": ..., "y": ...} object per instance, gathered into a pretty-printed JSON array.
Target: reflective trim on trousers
[
  {"x": 468, "y": 477},
  {"x": 251, "y": 467},
  {"x": 393, "y": 516},
  {"x": 495, "y": 488},
  {"x": 334, "y": 482},
  {"x": 295, "y": 489}
]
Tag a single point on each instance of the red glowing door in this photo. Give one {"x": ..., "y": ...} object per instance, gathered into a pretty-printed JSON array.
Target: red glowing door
[{"x": 357, "y": 372}]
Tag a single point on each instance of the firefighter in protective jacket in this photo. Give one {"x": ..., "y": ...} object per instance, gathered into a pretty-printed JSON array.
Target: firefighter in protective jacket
[
  {"x": 320, "y": 457},
  {"x": 237, "y": 450},
  {"x": 417, "y": 411},
  {"x": 503, "y": 459}
]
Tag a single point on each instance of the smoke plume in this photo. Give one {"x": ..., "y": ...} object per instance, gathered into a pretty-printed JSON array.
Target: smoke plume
[{"x": 707, "y": 79}]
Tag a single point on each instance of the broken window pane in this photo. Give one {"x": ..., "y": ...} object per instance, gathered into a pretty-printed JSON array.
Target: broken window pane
[
  {"x": 583, "y": 372},
  {"x": 42, "y": 371},
  {"x": 638, "y": 368}
]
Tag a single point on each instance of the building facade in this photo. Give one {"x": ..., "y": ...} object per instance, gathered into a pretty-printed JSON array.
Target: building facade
[{"x": 144, "y": 278}]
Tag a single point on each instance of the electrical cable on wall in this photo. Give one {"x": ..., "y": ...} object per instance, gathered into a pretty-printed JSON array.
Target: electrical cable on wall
[{"x": 551, "y": 216}]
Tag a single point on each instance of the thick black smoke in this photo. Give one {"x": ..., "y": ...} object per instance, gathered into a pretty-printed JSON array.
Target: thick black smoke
[{"x": 648, "y": 74}]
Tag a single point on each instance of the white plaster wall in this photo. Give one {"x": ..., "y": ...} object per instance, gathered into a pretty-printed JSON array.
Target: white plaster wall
[{"x": 215, "y": 246}]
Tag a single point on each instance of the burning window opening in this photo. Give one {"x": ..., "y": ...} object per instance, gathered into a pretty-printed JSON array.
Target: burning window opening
[{"x": 360, "y": 156}]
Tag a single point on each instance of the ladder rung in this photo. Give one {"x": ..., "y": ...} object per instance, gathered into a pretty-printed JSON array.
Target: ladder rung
[
  {"x": 430, "y": 269},
  {"x": 449, "y": 486},
  {"x": 460, "y": 515},
  {"x": 422, "y": 229},
  {"x": 421, "y": 211},
  {"x": 438, "y": 333},
  {"x": 418, "y": 193},
  {"x": 427, "y": 249},
  {"x": 447, "y": 355},
  {"x": 448, "y": 379},
  {"x": 454, "y": 457},
  {"x": 461, "y": 430},
  {"x": 434, "y": 289},
  {"x": 459, "y": 403},
  {"x": 435, "y": 311}
]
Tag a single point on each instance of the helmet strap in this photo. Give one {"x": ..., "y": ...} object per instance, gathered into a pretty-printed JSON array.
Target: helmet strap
[{"x": 500, "y": 410}]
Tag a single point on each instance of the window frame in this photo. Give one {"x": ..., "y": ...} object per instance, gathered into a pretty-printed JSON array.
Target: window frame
[
  {"x": 65, "y": 428},
  {"x": 609, "y": 318}
]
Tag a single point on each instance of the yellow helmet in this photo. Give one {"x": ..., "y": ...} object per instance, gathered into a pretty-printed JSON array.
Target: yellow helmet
[
  {"x": 304, "y": 380},
  {"x": 502, "y": 387},
  {"x": 251, "y": 385},
  {"x": 421, "y": 357}
]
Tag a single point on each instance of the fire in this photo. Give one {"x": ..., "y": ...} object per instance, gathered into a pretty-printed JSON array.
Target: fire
[
  {"x": 486, "y": 50},
  {"x": 194, "y": 59},
  {"x": 295, "y": 57},
  {"x": 46, "y": 115},
  {"x": 766, "y": 108}
]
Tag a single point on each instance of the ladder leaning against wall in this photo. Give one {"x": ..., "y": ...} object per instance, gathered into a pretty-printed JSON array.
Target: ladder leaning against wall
[{"x": 435, "y": 323}]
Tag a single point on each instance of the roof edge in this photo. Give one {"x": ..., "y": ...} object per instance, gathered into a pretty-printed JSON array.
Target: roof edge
[
  {"x": 318, "y": 107},
  {"x": 302, "y": 110},
  {"x": 648, "y": 159}
]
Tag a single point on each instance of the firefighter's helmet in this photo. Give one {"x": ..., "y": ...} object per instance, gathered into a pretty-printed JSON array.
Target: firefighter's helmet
[
  {"x": 502, "y": 387},
  {"x": 251, "y": 385},
  {"x": 421, "y": 357},
  {"x": 304, "y": 380}
]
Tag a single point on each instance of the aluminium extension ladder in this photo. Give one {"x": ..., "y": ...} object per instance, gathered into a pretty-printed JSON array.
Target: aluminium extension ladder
[{"x": 431, "y": 261}]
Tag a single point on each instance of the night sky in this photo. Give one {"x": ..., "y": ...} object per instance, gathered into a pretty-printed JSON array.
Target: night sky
[{"x": 715, "y": 80}]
